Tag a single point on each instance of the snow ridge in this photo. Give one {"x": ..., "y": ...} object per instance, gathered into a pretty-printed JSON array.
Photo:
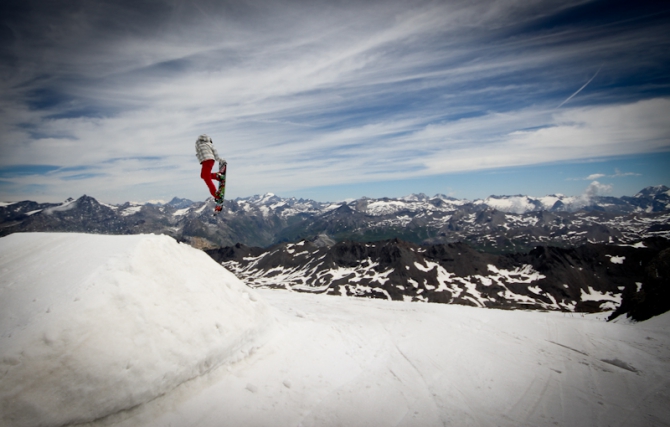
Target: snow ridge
[{"x": 88, "y": 323}]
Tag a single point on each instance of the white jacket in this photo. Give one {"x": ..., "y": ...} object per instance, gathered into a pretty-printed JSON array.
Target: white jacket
[{"x": 204, "y": 149}]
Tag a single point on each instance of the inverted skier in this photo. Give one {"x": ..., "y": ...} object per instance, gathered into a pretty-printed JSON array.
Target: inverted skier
[{"x": 207, "y": 155}]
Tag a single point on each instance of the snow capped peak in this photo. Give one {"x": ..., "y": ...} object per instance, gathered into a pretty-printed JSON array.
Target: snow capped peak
[
  {"x": 179, "y": 203},
  {"x": 415, "y": 197},
  {"x": 437, "y": 218},
  {"x": 267, "y": 197},
  {"x": 653, "y": 191},
  {"x": 385, "y": 206},
  {"x": 261, "y": 199}
]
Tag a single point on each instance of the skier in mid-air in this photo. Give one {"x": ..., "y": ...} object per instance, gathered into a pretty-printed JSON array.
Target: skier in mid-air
[{"x": 207, "y": 155}]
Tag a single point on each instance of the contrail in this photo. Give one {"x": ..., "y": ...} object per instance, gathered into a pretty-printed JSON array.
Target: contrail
[
  {"x": 199, "y": 9},
  {"x": 580, "y": 89}
]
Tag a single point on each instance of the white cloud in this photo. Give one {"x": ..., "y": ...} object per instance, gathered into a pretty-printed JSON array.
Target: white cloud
[
  {"x": 298, "y": 95},
  {"x": 577, "y": 133},
  {"x": 595, "y": 189},
  {"x": 617, "y": 174},
  {"x": 286, "y": 158}
]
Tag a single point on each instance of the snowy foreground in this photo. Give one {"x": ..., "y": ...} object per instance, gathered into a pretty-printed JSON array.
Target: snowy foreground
[{"x": 143, "y": 331}]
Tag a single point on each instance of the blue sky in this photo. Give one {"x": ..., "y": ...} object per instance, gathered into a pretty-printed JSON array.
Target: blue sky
[{"x": 333, "y": 99}]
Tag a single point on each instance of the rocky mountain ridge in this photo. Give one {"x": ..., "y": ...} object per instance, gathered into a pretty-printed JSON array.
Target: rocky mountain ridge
[
  {"x": 588, "y": 278},
  {"x": 504, "y": 252},
  {"x": 495, "y": 224}
]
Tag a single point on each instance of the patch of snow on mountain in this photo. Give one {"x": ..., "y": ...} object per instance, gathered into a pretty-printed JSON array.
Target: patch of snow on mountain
[
  {"x": 332, "y": 207},
  {"x": 181, "y": 212},
  {"x": 616, "y": 259},
  {"x": 522, "y": 220},
  {"x": 107, "y": 205},
  {"x": 470, "y": 218},
  {"x": 415, "y": 198},
  {"x": 525, "y": 274},
  {"x": 132, "y": 210},
  {"x": 265, "y": 198},
  {"x": 400, "y": 220},
  {"x": 431, "y": 265},
  {"x": 382, "y": 207},
  {"x": 593, "y": 295},
  {"x": 65, "y": 206},
  {"x": 91, "y": 325}
]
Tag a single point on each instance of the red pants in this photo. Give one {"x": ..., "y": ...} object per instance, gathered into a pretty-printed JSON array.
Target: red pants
[{"x": 208, "y": 176}]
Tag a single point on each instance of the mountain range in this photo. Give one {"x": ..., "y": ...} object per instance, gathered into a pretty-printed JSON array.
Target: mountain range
[
  {"x": 496, "y": 224},
  {"x": 552, "y": 253}
]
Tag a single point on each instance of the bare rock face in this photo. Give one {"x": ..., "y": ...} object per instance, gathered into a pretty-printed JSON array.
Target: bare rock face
[
  {"x": 651, "y": 295},
  {"x": 589, "y": 278}
]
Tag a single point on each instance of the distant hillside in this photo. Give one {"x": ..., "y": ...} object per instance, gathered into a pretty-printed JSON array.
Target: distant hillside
[
  {"x": 588, "y": 278},
  {"x": 496, "y": 224}
]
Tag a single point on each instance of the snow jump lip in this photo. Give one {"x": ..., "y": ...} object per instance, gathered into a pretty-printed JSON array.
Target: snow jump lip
[{"x": 91, "y": 325}]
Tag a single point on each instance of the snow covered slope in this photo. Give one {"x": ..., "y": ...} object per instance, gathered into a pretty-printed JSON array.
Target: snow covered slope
[
  {"x": 91, "y": 325},
  {"x": 355, "y": 362}
]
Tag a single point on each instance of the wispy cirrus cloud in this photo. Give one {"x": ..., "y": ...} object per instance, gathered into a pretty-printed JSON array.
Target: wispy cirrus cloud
[
  {"x": 299, "y": 94},
  {"x": 617, "y": 174},
  {"x": 595, "y": 176}
]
